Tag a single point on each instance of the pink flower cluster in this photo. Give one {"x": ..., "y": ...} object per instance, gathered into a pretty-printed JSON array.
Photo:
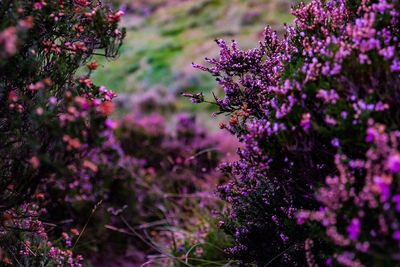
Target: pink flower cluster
[{"x": 369, "y": 186}]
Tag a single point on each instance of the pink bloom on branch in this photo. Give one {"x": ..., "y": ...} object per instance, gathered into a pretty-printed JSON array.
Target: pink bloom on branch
[
  {"x": 39, "y": 111},
  {"x": 38, "y": 5},
  {"x": 8, "y": 41},
  {"x": 116, "y": 17},
  {"x": 52, "y": 100},
  {"x": 35, "y": 162},
  {"x": 26, "y": 23}
]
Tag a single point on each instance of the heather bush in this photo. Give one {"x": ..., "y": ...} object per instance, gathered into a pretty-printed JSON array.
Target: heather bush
[
  {"x": 72, "y": 178},
  {"x": 317, "y": 112},
  {"x": 50, "y": 119}
]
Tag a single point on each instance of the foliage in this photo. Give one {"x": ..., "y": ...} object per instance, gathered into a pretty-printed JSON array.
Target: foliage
[
  {"x": 65, "y": 164},
  {"x": 49, "y": 118}
]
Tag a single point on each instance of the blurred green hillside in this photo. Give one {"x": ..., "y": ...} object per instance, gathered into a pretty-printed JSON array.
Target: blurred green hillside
[{"x": 165, "y": 37}]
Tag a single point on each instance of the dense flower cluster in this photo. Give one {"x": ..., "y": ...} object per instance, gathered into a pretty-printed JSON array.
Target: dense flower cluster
[
  {"x": 317, "y": 111},
  {"x": 50, "y": 119},
  {"x": 24, "y": 240}
]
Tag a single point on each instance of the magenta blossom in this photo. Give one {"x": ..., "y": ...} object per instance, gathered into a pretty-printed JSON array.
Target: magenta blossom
[
  {"x": 393, "y": 163},
  {"x": 354, "y": 229}
]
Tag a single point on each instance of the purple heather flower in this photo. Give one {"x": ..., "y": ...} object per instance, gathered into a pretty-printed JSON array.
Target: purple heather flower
[
  {"x": 395, "y": 67},
  {"x": 111, "y": 124},
  {"x": 335, "y": 142},
  {"x": 284, "y": 237},
  {"x": 354, "y": 229},
  {"x": 383, "y": 187},
  {"x": 393, "y": 163},
  {"x": 396, "y": 200},
  {"x": 370, "y": 137},
  {"x": 396, "y": 235},
  {"x": 328, "y": 262}
]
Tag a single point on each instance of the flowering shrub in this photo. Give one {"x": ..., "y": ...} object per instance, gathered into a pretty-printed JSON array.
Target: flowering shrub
[
  {"x": 317, "y": 113},
  {"x": 27, "y": 243},
  {"x": 63, "y": 161},
  {"x": 49, "y": 118}
]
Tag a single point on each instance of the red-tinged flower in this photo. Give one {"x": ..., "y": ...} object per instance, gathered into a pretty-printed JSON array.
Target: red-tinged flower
[
  {"x": 106, "y": 108},
  {"x": 20, "y": 108},
  {"x": 79, "y": 46},
  {"x": 92, "y": 65},
  {"x": 79, "y": 28},
  {"x": 90, "y": 165},
  {"x": 82, "y": 2},
  {"x": 116, "y": 17},
  {"x": 35, "y": 162},
  {"x": 82, "y": 102},
  {"x": 36, "y": 86},
  {"x": 12, "y": 96},
  {"x": 7, "y": 261},
  {"x": 306, "y": 121},
  {"x": 90, "y": 15},
  {"x": 48, "y": 82},
  {"x": 65, "y": 236},
  {"x": 5, "y": 219},
  {"x": 233, "y": 120},
  {"x": 75, "y": 231},
  {"x": 86, "y": 82},
  {"x": 39, "y": 196},
  {"x": 26, "y": 23},
  {"x": 8, "y": 41},
  {"x": 68, "y": 94},
  {"x": 74, "y": 143}
]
